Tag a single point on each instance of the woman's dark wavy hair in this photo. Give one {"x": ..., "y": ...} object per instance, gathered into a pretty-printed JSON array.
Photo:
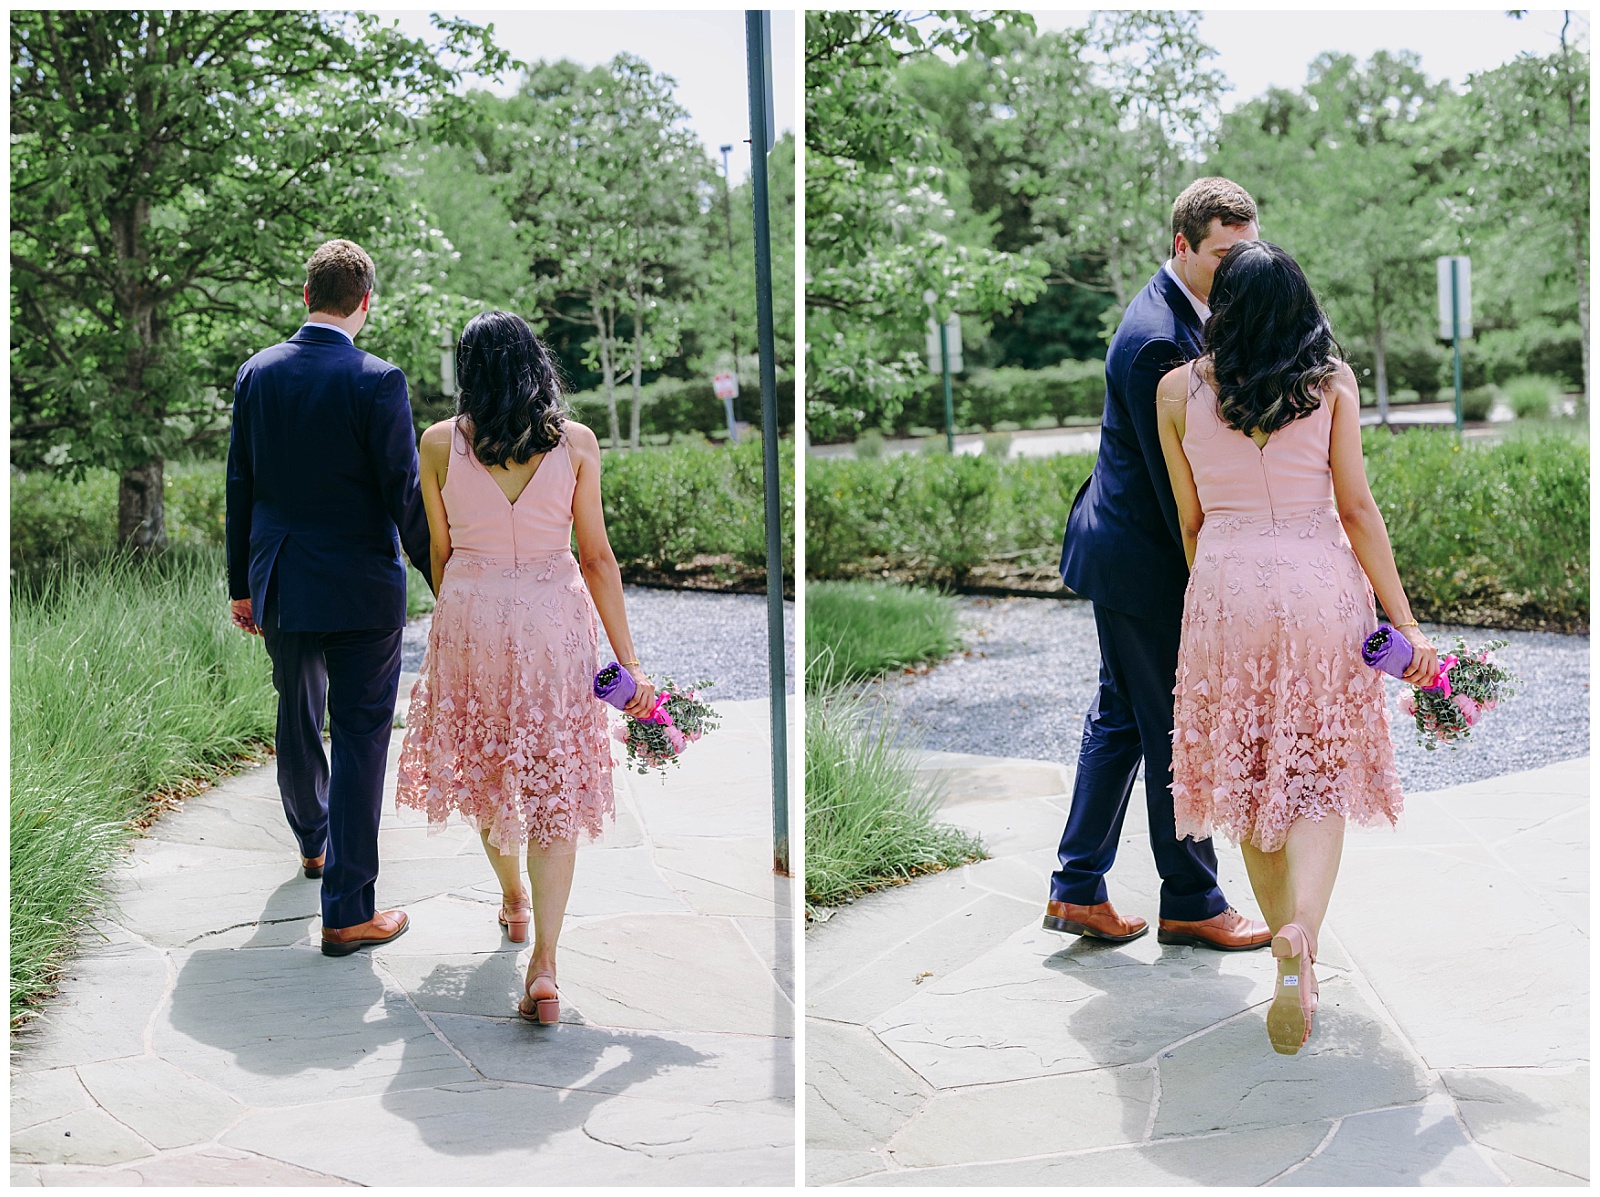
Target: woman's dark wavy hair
[
  {"x": 509, "y": 389},
  {"x": 1270, "y": 343}
]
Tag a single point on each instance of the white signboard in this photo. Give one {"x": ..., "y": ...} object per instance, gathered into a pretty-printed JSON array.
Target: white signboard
[
  {"x": 952, "y": 344},
  {"x": 725, "y": 385},
  {"x": 1463, "y": 299}
]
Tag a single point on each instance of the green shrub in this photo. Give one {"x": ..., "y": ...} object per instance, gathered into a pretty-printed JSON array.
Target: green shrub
[
  {"x": 869, "y": 823},
  {"x": 1007, "y": 397},
  {"x": 1533, "y": 397},
  {"x": 1484, "y": 533},
  {"x": 858, "y": 630},
  {"x": 126, "y": 680},
  {"x": 1475, "y": 404},
  {"x": 869, "y": 445}
]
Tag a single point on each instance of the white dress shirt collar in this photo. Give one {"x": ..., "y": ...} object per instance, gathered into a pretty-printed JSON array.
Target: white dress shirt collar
[
  {"x": 1199, "y": 305},
  {"x": 320, "y": 324}
]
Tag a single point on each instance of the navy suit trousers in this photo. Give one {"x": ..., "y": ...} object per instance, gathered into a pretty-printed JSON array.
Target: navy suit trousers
[
  {"x": 1131, "y": 720},
  {"x": 355, "y": 677}
]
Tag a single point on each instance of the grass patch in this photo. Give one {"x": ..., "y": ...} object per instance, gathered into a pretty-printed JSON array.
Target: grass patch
[
  {"x": 858, "y": 630},
  {"x": 128, "y": 684},
  {"x": 869, "y": 822}
]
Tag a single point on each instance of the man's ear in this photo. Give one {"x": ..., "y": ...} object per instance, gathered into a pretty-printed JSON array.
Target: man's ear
[
  {"x": 305, "y": 294},
  {"x": 1179, "y": 244},
  {"x": 366, "y": 301}
]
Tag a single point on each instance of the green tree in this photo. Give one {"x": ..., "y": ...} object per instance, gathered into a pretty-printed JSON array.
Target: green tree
[
  {"x": 878, "y": 219},
  {"x": 1528, "y": 122},
  {"x": 168, "y": 169},
  {"x": 1349, "y": 177},
  {"x": 610, "y": 192}
]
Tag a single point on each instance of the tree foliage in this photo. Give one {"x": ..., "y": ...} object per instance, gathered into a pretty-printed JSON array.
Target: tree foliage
[{"x": 170, "y": 172}]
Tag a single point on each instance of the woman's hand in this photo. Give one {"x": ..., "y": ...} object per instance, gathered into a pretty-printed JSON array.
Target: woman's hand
[
  {"x": 644, "y": 698},
  {"x": 1424, "y": 665}
]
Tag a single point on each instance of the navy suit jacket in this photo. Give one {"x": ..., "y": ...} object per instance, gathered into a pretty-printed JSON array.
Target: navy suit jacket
[
  {"x": 1123, "y": 547},
  {"x": 322, "y": 485}
]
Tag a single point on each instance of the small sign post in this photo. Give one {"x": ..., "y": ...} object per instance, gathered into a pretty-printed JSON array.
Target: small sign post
[
  {"x": 726, "y": 387},
  {"x": 1455, "y": 314},
  {"x": 944, "y": 357}
]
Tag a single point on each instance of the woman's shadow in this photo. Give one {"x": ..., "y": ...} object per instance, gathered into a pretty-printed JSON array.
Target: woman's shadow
[{"x": 541, "y": 1081}]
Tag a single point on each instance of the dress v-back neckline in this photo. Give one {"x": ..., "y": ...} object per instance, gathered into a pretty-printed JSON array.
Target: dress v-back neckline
[
  {"x": 511, "y": 503},
  {"x": 1261, "y": 446}
]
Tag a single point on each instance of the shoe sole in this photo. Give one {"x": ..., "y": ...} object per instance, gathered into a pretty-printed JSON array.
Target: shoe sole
[
  {"x": 355, "y": 945},
  {"x": 312, "y": 871},
  {"x": 1287, "y": 1025},
  {"x": 1183, "y": 939},
  {"x": 1067, "y": 926}
]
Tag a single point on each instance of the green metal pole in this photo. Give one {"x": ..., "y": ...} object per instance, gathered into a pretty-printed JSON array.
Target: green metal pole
[
  {"x": 758, "y": 51},
  {"x": 1455, "y": 336},
  {"x": 949, "y": 402}
]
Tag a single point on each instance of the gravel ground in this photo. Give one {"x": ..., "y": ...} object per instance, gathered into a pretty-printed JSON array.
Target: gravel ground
[
  {"x": 685, "y": 635},
  {"x": 1033, "y": 666}
]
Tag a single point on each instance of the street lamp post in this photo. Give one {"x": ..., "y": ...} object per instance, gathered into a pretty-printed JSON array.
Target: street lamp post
[
  {"x": 733, "y": 266},
  {"x": 928, "y": 297}
]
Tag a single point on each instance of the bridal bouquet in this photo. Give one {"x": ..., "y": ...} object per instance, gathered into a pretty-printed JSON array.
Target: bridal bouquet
[
  {"x": 678, "y": 719},
  {"x": 1469, "y": 683}
]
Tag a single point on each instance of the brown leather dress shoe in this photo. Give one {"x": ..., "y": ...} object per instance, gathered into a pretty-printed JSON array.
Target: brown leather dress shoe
[
  {"x": 1229, "y": 931},
  {"x": 1100, "y": 920},
  {"x": 380, "y": 928},
  {"x": 313, "y": 864}
]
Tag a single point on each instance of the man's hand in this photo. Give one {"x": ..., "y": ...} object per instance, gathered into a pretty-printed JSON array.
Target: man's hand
[{"x": 243, "y": 618}]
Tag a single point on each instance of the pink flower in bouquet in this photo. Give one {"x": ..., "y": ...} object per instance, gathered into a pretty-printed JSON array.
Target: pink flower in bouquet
[
  {"x": 675, "y": 737},
  {"x": 1467, "y": 707},
  {"x": 1408, "y": 702}
]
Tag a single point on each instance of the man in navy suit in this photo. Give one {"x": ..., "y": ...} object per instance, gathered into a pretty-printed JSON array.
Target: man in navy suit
[
  {"x": 322, "y": 492},
  {"x": 1124, "y": 552}
]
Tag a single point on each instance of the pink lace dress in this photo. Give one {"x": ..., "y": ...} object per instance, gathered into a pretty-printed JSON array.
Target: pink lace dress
[
  {"x": 503, "y": 725},
  {"x": 1276, "y": 717}
]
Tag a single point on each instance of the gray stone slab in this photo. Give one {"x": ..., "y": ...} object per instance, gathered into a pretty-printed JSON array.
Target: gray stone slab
[
  {"x": 41, "y": 1096},
  {"x": 1552, "y": 859},
  {"x": 1041, "y": 1004},
  {"x": 106, "y": 1003},
  {"x": 282, "y": 1026},
  {"x": 772, "y": 940},
  {"x": 217, "y": 819},
  {"x": 713, "y": 794},
  {"x": 826, "y": 1167},
  {"x": 1231, "y": 1079},
  {"x": 1019, "y": 826},
  {"x": 1526, "y": 1174},
  {"x": 858, "y": 1095},
  {"x": 173, "y": 908},
  {"x": 1417, "y": 1145},
  {"x": 963, "y": 778},
  {"x": 671, "y": 972},
  {"x": 166, "y": 1107},
  {"x": 1025, "y": 876},
  {"x": 24, "y": 1177},
  {"x": 209, "y": 1165},
  {"x": 620, "y": 881},
  {"x": 1231, "y": 1160},
  {"x": 727, "y": 876},
  {"x": 1488, "y": 952},
  {"x": 711, "y": 1070},
  {"x": 86, "y": 1137},
  {"x": 873, "y": 924},
  {"x": 936, "y": 951},
  {"x": 496, "y": 1134},
  {"x": 485, "y": 984},
  {"x": 1048, "y": 1116},
  {"x": 1540, "y": 1116},
  {"x": 400, "y": 841}
]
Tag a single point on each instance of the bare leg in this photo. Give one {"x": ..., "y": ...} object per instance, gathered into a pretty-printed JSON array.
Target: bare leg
[
  {"x": 507, "y": 870},
  {"x": 1313, "y": 850},
  {"x": 1269, "y": 879},
  {"x": 550, "y": 872}
]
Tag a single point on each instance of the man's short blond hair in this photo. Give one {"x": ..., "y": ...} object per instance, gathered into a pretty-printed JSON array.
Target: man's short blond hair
[
  {"x": 338, "y": 275},
  {"x": 1206, "y": 200}
]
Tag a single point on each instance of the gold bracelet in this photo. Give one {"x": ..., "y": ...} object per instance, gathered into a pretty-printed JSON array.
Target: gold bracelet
[
  {"x": 1410, "y": 623},
  {"x": 629, "y": 662}
]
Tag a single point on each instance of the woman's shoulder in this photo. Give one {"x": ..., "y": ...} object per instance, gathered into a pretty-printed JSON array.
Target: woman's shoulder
[
  {"x": 1341, "y": 384},
  {"x": 1174, "y": 384},
  {"x": 580, "y": 437},
  {"x": 437, "y": 437}
]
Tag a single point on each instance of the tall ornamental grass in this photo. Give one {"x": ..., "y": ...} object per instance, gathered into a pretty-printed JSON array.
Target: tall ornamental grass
[
  {"x": 858, "y": 630},
  {"x": 869, "y": 821},
  {"x": 127, "y": 681}
]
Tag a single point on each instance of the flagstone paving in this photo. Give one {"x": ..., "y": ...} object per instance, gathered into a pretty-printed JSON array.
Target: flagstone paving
[
  {"x": 950, "y": 1040},
  {"x": 202, "y": 1037}
]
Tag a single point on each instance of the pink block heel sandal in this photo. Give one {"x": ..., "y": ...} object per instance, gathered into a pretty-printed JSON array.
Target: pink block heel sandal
[{"x": 1294, "y": 997}]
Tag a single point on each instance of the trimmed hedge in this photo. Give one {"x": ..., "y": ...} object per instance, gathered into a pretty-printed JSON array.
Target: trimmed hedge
[
  {"x": 1486, "y": 534},
  {"x": 666, "y": 509},
  {"x": 986, "y": 399}
]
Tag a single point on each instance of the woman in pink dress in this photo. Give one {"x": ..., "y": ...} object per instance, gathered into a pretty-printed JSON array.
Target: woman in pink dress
[
  {"x": 504, "y": 727},
  {"x": 1280, "y": 730}
]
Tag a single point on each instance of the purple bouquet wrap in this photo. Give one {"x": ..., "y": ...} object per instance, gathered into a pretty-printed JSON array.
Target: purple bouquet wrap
[
  {"x": 615, "y": 685},
  {"x": 1387, "y": 650}
]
